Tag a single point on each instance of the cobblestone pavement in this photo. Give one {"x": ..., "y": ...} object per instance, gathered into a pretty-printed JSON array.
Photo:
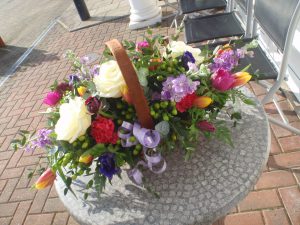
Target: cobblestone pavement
[{"x": 274, "y": 200}]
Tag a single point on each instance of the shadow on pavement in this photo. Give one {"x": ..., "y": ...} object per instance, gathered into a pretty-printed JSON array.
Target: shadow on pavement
[{"x": 10, "y": 54}]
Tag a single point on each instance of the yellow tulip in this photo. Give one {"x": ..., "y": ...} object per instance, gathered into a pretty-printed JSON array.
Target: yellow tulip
[
  {"x": 86, "y": 159},
  {"x": 81, "y": 90},
  {"x": 241, "y": 78},
  {"x": 202, "y": 102}
]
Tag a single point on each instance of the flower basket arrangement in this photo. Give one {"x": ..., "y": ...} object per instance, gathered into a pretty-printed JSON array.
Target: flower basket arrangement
[{"x": 144, "y": 100}]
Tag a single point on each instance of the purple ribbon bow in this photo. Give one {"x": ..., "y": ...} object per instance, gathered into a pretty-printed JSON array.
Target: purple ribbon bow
[
  {"x": 148, "y": 138},
  {"x": 152, "y": 162}
]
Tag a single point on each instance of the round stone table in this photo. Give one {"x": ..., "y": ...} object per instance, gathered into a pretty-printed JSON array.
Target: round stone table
[{"x": 198, "y": 191}]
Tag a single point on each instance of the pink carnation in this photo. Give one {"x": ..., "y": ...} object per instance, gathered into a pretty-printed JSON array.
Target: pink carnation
[{"x": 52, "y": 98}]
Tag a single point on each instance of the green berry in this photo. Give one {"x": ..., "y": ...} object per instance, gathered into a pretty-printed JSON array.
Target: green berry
[
  {"x": 136, "y": 151},
  {"x": 165, "y": 117},
  {"x": 160, "y": 78},
  {"x": 85, "y": 145},
  {"x": 156, "y": 105},
  {"x": 119, "y": 105},
  {"x": 123, "y": 113},
  {"x": 174, "y": 137},
  {"x": 152, "y": 113},
  {"x": 174, "y": 112},
  {"x": 82, "y": 138},
  {"x": 128, "y": 116},
  {"x": 132, "y": 139},
  {"x": 170, "y": 69},
  {"x": 119, "y": 122},
  {"x": 138, "y": 147}
]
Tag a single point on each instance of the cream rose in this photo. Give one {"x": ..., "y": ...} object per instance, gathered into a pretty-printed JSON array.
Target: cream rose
[
  {"x": 110, "y": 81},
  {"x": 179, "y": 47},
  {"x": 74, "y": 120}
]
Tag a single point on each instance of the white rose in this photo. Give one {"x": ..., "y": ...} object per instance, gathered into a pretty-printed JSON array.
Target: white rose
[
  {"x": 179, "y": 47},
  {"x": 110, "y": 81},
  {"x": 74, "y": 120}
]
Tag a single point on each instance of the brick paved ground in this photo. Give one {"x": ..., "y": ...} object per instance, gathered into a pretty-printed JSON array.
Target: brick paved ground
[{"x": 274, "y": 200}]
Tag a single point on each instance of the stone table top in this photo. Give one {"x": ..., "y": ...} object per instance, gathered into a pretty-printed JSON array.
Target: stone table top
[{"x": 198, "y": 191}]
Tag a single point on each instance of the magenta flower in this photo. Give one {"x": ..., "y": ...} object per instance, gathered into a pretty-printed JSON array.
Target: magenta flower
[
  {"x": 222, "y": 80},
  {"x": 52, "y": 98},
  {"x": 206, "y": 126},
  {"x": 141, "y": 45}
]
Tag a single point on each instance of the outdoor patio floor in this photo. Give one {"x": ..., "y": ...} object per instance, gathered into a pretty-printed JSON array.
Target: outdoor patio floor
[{"x": 274, "y": 200}]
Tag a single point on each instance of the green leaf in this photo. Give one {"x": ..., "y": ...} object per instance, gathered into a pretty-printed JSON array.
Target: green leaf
[
  {"x": 85, "y": 196},
  {"x": 236, "y": 115},
  {"x": 248, "y": 101},
  {"x": 66, "y": 191}
]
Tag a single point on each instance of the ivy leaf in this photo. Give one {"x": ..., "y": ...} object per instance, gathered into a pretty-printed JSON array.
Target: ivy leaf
[
  {"x": 142, "y": 76},
  {"x": 163, "y": 128}
]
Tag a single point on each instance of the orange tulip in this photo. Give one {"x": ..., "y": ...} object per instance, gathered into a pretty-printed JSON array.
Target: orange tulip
[
  {"x": 81, "y": 90},
  {"x": 46, "y": 179},
  {"x": 154, "y": 63},
  {"x": 202, "y": 102},
  {"x": 86, "y": 159},
  {"x": 125, "y": 94},
  {"x": 240, "y": 78}
]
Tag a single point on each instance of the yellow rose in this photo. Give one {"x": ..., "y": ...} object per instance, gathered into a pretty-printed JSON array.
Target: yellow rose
[
  {"x": 110, "y": 81},
  {"x": 179, "y": 47},
  {"x": 74, "y": 120}
]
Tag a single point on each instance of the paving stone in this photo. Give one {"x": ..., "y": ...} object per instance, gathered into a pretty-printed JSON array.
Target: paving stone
[
  {"x": 284, "y": 160},
  {"x": 40, "y": 219},
  {"x": 2, "y": 185},
  {"x": 72, "y": 221},
  {"x": 39, "y": 201},
  {"x": 276, "y": 217},
  {"x": 23, "y": 194},
  {"x": 12, "y": 173},
  {"x": 53, "y": 205},
  {"x": 260, "y": 200},
  {"x": 8, "y": 190},
  {"x": 290, "y": 143},
  {"x": 8, "y": 209},
  {"x": 249, "y": 218},
  {"x": 21, "y": 213},
  {"x": 5, "y": 220},
  {"x": 275, "y": 147},
  {"x": 280, "y": 178},
  {"x": 5, "y": 155},
  {"x": 291, "y": 197},
  {"x": 61, "y": 218}
]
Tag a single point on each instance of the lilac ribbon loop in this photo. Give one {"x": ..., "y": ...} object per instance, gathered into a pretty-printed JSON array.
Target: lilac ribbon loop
[
  {"x": 150, "y": 162},
  {"x": 146, "y": 137}
]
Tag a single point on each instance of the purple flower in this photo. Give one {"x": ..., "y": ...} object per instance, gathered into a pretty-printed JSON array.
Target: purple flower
[
  {"x": 52, "y": 98},
  {"x": 42, "y": 140},
  {"x": 186, "y": 58},
  {"x": 227, "y": 60},
  {"x": 95, "y": 70},
  {"x": 175, "y": 89},
  {"x": 73, "y": 79},
  {"x": 222, "y": 80},
  {"x": 206, "y": 126},
  {"x": 193, "y": 67},
  {"x": 107, "y": 165},
  {"x": 84, "y": 59}
]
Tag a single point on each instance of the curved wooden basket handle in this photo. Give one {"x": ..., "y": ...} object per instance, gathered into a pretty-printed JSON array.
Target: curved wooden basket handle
[{"x": 135, "y": 90}]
